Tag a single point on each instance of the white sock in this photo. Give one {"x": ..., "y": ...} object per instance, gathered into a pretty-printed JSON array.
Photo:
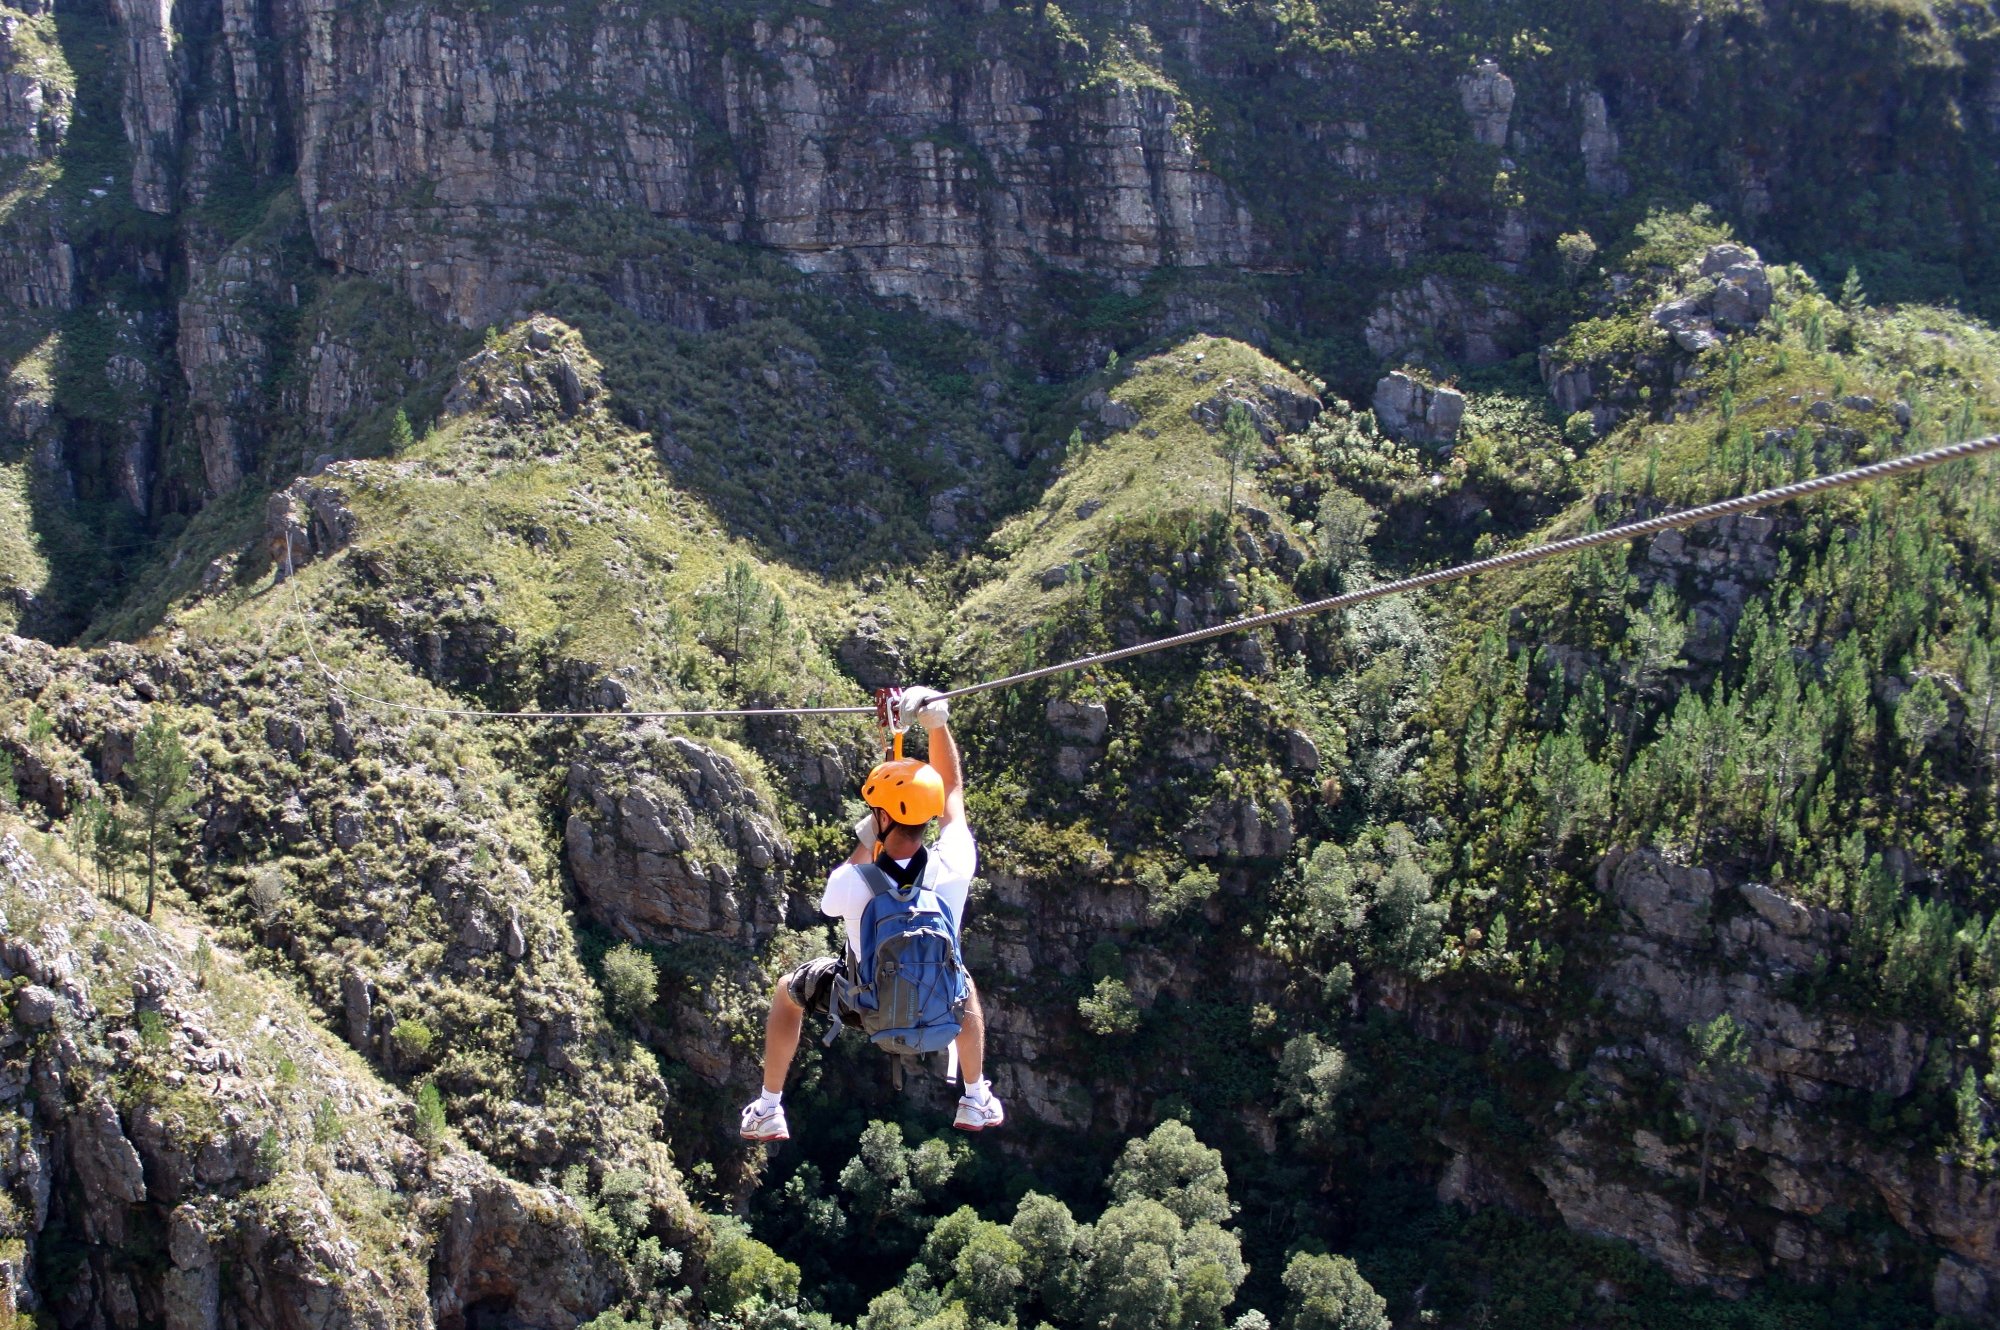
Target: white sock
[
  {"x": 979, "y": 1091},
  {"x": 770, "y": 1098}
]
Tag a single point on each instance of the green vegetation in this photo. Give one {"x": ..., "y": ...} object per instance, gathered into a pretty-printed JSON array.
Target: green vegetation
[
  {"x": 428, "y": 1123},
  {"x": 631, "y": 982},
  {"x": 1328, "y": 1293},
  {"x": 161, "y": 795},
  {"x": 1335, "y": 904}
]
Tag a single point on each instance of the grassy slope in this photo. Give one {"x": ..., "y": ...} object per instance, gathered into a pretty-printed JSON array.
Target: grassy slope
[{"x": 1164, "y": 467}]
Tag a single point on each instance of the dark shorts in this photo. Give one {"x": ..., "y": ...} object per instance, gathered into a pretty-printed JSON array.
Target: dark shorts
[{"x": 811, "y": 985}]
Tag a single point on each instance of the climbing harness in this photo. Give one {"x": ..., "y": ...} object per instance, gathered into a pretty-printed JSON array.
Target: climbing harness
[{"x": 887, "y": 708}]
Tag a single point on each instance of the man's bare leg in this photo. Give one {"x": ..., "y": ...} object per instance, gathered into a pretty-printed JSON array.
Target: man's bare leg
[
  {"x": 971, "y": 1040},
  {"x": 781, "y": 1037},
  {"x": 978, "y": 1108}
]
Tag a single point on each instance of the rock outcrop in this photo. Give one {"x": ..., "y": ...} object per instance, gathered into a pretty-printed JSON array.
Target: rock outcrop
[
  {"x": 1414, "y": 411},
  {"x": 1790, "y": 1182},
  {"x": 151, "y": 1102},
  {"x": 1599, "y": 145},
  {"x": 1727, "y": 290},
  {"x": 309, "y": 519},
  {"x": 666, "y": 840},
  {"x": 1488, "y": 98}
]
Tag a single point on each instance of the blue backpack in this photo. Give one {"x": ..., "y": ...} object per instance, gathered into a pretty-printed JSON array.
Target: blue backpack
[{"x": 909, "y": 985}]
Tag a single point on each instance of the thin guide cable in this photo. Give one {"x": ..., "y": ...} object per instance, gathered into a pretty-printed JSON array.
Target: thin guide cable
[
  {"x": 1898, "y": 466},
  {"x": 1518, "y": 558}
]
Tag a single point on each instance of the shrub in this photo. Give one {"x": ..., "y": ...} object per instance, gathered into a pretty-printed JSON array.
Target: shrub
[
  {"x": 1317, "y": 1081},
  {"x": 428, "y": 1123},
  {"x": 631, "y": 981},
  {"x": 1185, "y": 894},
  {"x": 1109, "y": 1008},
  {"x": 1575, "y": 250},
  {"x": 267, "y": 893},
  {"x": 1344, "y": 526},
  {"x": 741, "y": 1269},
  {"x": 270, "y": 1153},
  {"x": 1328, "y": 1293},
  {"x": 326, "y": 1124},
  {"x": 413, "y": 1038},
  {"x": 1173, "y": 1167}
]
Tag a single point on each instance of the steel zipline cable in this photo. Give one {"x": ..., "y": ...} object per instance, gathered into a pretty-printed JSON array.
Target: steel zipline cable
[{"x": 1913, "y": 462}]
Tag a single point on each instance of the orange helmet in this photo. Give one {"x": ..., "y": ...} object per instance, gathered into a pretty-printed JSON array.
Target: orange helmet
[{"x": 909, "y": 791}]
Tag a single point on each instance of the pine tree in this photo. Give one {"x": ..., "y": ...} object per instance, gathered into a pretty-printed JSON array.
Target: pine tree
[
  {"x": 1718, "y": 1083},
  {"x": 1239, "y": 444},
  {"x": 1981, "y": 675},
  {"x": 1852, "y": 296},
  {"x": 160, "y": 770},
  {"x": 735, "y": 611},
  {"x": 1920, "y": 716},
  {"x": 1971, "y": 1114},
  {"x": 1652, "y": 644},
  {"x": 110, "y": 843}
]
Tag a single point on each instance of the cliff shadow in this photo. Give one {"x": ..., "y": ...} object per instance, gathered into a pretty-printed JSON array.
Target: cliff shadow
[{"x": 834, "y": 431}]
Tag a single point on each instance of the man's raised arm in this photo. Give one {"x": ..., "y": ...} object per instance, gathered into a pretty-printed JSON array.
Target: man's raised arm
[
  {"x": 934, "y": 714},
  {"x": 944, "y": 758}
]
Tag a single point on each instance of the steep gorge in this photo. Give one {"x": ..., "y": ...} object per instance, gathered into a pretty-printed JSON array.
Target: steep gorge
[{"x": 565, "y": 356}]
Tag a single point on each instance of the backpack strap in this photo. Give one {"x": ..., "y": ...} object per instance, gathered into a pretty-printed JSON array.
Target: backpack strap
[{"x": 877, "y": 882}]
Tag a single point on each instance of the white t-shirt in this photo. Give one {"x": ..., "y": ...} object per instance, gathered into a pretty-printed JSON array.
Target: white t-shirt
[{"x": 954, "y": 862}]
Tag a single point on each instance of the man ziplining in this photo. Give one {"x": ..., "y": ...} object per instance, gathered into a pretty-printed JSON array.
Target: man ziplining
[{"x": 902, "y": 980}]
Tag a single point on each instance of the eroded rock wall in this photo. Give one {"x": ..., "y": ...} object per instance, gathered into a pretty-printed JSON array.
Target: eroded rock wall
[
  {"x": 1792, "y": 1184},
  {"x": 142, "y": 1113}
]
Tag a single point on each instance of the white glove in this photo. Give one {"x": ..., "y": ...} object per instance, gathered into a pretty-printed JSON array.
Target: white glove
[
  {"x": 927, "y": 705},
  {"x": 864, "y": 831}
]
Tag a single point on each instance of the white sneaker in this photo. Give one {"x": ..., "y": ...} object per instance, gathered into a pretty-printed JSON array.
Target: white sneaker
[
  {"x": 979, "y": 1117},
  {"x": 764, "y": 1124}
]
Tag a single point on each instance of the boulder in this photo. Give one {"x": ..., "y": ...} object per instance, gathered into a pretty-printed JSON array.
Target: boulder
[
  {"x": 1114, "y": 415},
  {"x": 1084, "y": 721},
  {"x": 1412, "y": 411},
  {"x": 661, "y": 831},
  {"x": 1488, "y": 98},
  {"x": 1664, "y": 900},
  {"x": 872, "y": 654},
  {"x": 309, "y": 519}
]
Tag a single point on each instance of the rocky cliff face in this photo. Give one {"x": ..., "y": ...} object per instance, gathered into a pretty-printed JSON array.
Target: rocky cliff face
[
  {"x": 1793, "y": 1184},
  {"x": 992, "y": 167},
  {"x": 160, "y": 1097},
  {"x": 951, "y": 184},
  {"x": 666, "y": 840}
]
